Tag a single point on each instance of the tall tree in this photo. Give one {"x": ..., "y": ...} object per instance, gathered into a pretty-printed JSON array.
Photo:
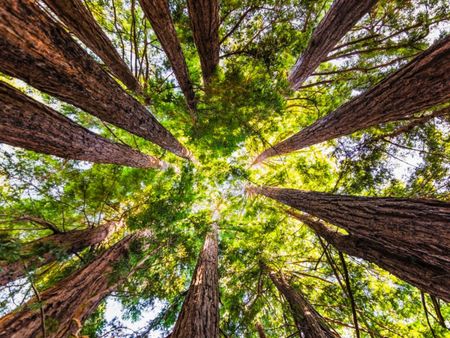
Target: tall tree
[
  {"x": 204, "y": 15},
  {"x": 158, "y": 13},
  {"x": 199, "y": 316},
  {"x": 79, "y": 20},
  {"x": 29, "y": 124},
  {"x": 308, "y": 321},
  {"x": 414, "y": 271},
  {"x": 341, "y": 17},
  {"x": 421, "y": 84},
  {"x": 45, "y": 250},
  {"x": 35, "y": 49}
]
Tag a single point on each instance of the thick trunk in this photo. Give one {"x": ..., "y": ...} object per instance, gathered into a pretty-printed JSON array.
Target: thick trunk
[
  {"x": 421, "y": 84},
  {"x": 417, "y": 228},
  {"x": 199, "y": 316},
  {"x": 47, "y": 249},
  {"x": 67, "y": 304},
  {"x": 158, "y": 13},
  {"x": 204, "y": 15},
  {"x": 307, "y": 320},
  {"x": 341, "y": 17},
  {"x": 79, "y": 20},
  {"x": 36, "y": 50},
  {"x": 29, "y": 124}
]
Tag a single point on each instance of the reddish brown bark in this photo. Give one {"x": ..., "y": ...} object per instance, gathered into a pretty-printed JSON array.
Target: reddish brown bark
[
  {"x": 158, "y": 13},
  {"x": 341, "y": 17},
  {"x": 204, "y": 15},
  {"x": 424, "y": 276},
  {"x": 80, "y": 21},
  {"x": 45, "y": 250},
  {"x": 421, "y": 84},
  {"x": 307, "y": 320},
  {"x": 36, "y": 50},
  {"x": 199, "y": 316},
  {"x": 29, "y": 124},
  {"x": 260, "y": 330}
]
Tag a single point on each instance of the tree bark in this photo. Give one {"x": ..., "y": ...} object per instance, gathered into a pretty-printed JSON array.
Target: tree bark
[
  {"x": 199, "y": 316},
  {"x": 158, "y": 13},
  {"x": 36, "y": 50},
  {"x": 29, "y": 124},
  {"x": 80, "y": 21},
  {"x": 45, "y": 250},
  {"x": 307, "y": 320},
  {"x": 341, "y": 17},
  {"x": 67, "y": 304},
  {"x": 204, "y": 15},
  {"x": 260, "y": 330},
  {"x": 421, "y": 84},
  {"x": 422, "y": 275}
]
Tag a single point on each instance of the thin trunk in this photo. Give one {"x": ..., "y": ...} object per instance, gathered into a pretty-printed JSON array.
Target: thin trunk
[
  {"x": 204, "y": 15},
  {"x": 421, "y": 84},
  {"x": 47, "y": 249},
  {"x": 307, "y": 320},
  {"x": 341, "y": 17},
  {"x": 199, "y": 316},
  {"x": 158, "y": 13},
  {"x": 29, "y": 124},
  {"x": 260, "y": 330},
  {"x": 36, "y": 50},
  {"x": 80, "y": 21}
]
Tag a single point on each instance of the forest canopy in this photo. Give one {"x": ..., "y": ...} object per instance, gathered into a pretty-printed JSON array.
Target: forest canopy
[{"x": 251, "y": 168}]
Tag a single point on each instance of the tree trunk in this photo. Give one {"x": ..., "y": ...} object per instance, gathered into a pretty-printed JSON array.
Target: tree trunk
[
  {"x": 45, "y": 250},
  {"x": 341, "y": 17},
  {"x": 29, "y": 124},
  {"x": 36, "y": 50},
  {"x": 67, "y": 304},
  {"x": 80, "y": 21},
  {"x": 158, "y": 13},
  {"x": 260, "y": 330},
  {"x": 307, "y": 320},
  {"x": 204, "y": 15},
  {"x": 422, "y": 275},
  {"x": 421, "y": 84},
  {"x": 415, "y": 228},
  {"x": 199, "y": 316}
]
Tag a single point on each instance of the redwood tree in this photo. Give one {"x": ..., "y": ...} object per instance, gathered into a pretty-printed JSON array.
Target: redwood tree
[
  {"x": 199, "y": 316},
  {"x": 421, "y": 84},
  {"x": 341, "y": 17},
  {"x": 36, "y": 50},
  {"x": 29, "y": 124}
]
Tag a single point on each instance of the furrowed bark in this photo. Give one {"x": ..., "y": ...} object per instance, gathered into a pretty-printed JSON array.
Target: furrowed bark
[
  {"x": 199, "y": 316},
  {"x": 36, "y": 50},
  {"x": 416, "y": 228},
  {"x": 424, "y": 276},
  {"x": 204, "y": 15},
  {"x": 307, "y": 320},
  {"x": 80, "y": 21},
  {"x": 45, "y": 250},
  {"x": 29, "y": 124},
  {"x": 421, "y": 84},
  {"x": 158, "y": 13},
  {"x": 341, "y": 17}
]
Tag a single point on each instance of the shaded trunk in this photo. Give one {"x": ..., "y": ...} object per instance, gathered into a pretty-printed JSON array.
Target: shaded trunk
[
  {"x": 414, "y": 228},
  {"x": 341, "y": 17},
  {"x": 260, "y": 330},
  {"x": 79, "y": 20},
  {"x": 67, "y": 304},
  {"x": 421, "y": 84},
  {"x": 422, "y": 275},
  {"x": 199, "y": 316},
  {"x": 36, "y": 50},
  {"x": 307, "y": 320},
  {"x": 29, "y": 124},
  {"x": 204, "y": 15},
  {"x": 48, "y": 249},
  {"x": 158, "y": 13}
]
